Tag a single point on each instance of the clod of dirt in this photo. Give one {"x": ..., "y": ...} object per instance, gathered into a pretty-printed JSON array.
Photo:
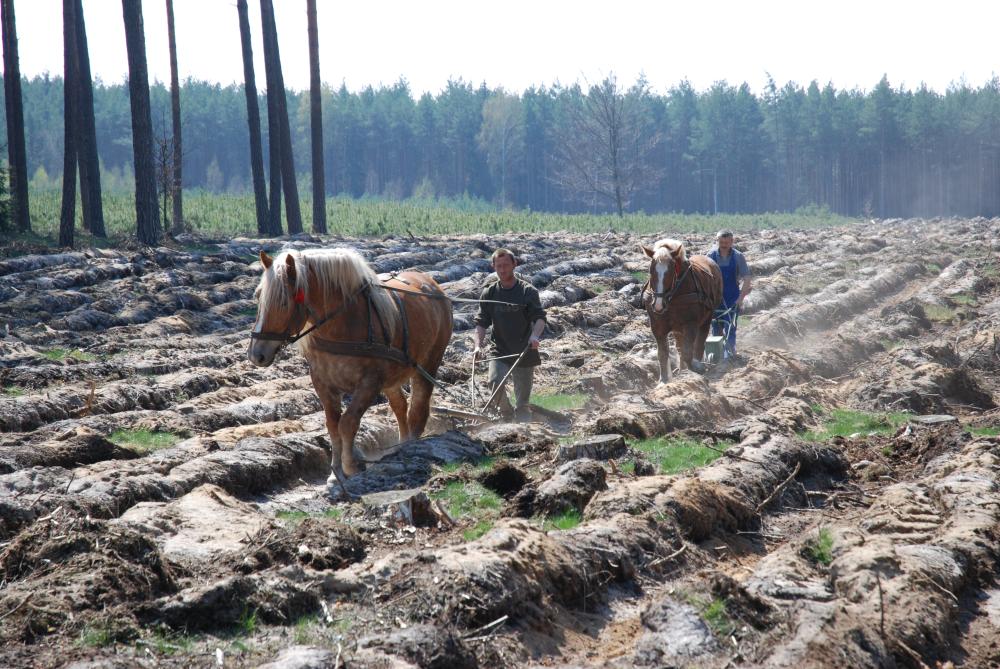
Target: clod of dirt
[
  {"x": 571, "y": 487},
  {"x": 302, "y": 657},
  {"x": 66, "y": 567},
  {"x": 504, "y": 479},
  {"x": 77, "y": 446},
  {"x": 514, "y": 439},
  {"x": 676, "y": 636},
  {"x": 923, "y": 380},
  {"x": 412, "y": 507},
  {"x": 318, "y": 543},
  {"x": 426, "y": 646},
  {"x": 598, "y": 447},
  {"x": 276, "y": 597}
]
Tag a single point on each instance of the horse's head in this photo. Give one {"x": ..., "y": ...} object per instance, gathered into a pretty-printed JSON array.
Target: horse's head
[
  {"x": 666, "y": 262},
  {"x": 281, "y": 310}
]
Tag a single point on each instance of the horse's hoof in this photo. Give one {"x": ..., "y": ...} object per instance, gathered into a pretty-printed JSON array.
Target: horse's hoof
[
  {"x": 698, "y": 366},
  {"x": 336, "y": 485}
]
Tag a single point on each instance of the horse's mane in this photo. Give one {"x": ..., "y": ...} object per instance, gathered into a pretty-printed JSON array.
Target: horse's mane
[
  {"x": 339, "y": 273},
  {"x": 669, "y": 249}
]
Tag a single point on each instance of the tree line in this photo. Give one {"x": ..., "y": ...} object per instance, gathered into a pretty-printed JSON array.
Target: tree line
[{"x": 594, "y": 147}]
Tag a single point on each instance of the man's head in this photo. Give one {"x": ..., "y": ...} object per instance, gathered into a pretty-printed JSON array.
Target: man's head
[
  {"x": 725, "y": 241},
  {"x": 504, "y": 263}
]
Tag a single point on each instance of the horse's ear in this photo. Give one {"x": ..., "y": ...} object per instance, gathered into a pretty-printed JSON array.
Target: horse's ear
[
  {"x": 648, "y": 251},
  {"x": 266, "y": 260},
  {"x": 290, "y": 265}
]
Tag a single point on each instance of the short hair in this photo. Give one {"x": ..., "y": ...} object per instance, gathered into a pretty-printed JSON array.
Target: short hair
[
  {"x": 499, "y": 253},
  {"x": 723, "y": 234}
]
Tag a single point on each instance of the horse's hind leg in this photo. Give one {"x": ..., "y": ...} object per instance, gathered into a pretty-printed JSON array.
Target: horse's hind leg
[
  {"x": 363, "y": 397},
  {"x": 399, "y": 406},
  {"x": 420, "y": 405}
]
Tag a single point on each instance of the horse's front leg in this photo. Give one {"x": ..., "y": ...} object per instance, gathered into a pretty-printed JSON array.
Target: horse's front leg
[
  {"x": 663, "y": 357},
  {"x": 332, "y": 402},
  {"x": 363, "y": 397},
  {"x": 687, "y": 345}
]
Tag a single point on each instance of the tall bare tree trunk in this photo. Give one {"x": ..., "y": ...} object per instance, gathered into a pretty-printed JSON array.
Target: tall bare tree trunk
[
  {"x": 276, "y": 89},
  {"x": 316, "y": 114},
  {"x": 253, "y": 121},
  {"x": 90, "y": 166},
  {"x": 67, "y": 218},
  {"x": 273, "y": 137},
  {"x": 16, "y": 151},
  {"x": 175, "y": 113},
  {"x": 147, "y": 212}
]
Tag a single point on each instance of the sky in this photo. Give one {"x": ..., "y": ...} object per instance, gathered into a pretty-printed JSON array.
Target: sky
[{"x": 518, "y": 43}]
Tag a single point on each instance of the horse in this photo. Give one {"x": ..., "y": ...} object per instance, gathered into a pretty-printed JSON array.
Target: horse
[
  {"x": 364, "y": 337},
  {"x": 683, "y": 294}
]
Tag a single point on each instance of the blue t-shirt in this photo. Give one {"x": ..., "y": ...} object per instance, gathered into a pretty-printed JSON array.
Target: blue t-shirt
[{"x": 742, "y": 269}]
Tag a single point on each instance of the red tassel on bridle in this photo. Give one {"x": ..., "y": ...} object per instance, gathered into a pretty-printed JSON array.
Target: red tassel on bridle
[{"x": 300, "y": 296}]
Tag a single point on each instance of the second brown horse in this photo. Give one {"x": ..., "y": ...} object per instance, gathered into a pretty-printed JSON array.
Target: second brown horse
[{"x": 682, "y": 295}]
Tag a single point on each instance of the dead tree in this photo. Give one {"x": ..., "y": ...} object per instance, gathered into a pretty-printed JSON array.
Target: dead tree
[
  {"x": 147, "y": 212},
  {"x": 175, "y": 114},
  {"x": 253, "y": 122},
  {"x": 16, "y": 150},
  {"x": 276, "y": 91},
  {"x": 67, "y": 217},
  {"x": 606, "y": 147},
  {"x": 316, "y": 115},
  {"x": 90, "y": 167}
]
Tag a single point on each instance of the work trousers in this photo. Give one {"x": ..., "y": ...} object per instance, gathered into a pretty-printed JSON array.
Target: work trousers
[{"x": 523, "y": 378}]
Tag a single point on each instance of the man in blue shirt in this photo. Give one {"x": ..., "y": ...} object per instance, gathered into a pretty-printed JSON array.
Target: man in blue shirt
[{"x": 736, "y": 285}]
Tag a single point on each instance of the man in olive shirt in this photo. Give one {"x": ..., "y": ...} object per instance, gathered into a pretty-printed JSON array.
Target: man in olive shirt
[{"x": 517, "y": 328}]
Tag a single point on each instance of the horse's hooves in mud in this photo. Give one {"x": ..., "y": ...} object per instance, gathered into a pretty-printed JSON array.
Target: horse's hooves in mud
[
  {"x": 697, "y": 366},
  {"x": 336, "y": 485}
]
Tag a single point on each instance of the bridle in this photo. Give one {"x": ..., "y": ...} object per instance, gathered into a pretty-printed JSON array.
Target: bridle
[
  {"x": 303, "y": 310},
  {"x": 668, "y": 295}
]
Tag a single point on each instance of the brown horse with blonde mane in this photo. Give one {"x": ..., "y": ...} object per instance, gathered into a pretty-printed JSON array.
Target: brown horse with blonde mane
[
  {"x": 682, "y": 295},
  {"x": 359, "y": 335}
]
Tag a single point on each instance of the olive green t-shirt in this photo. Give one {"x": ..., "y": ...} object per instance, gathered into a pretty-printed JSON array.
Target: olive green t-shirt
[{"x": 511, "y": 324}]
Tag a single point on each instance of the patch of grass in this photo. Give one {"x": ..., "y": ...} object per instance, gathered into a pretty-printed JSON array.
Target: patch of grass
[
  {"x": 249, "y": 312},
  {"x": 820, "y": 549},
  {"x": 985, "y": 431},
  {"x": 451, "y": 467},
  {"x": 59, "y": 354},
  {"x": 167, "y": 642},
  {"x": 640, "y": 277},
  {"x": 97, "y": 635},
  {"x": 890, "y": 344},
  {"x": 477, "y": 530},
  {"x": 627, "y": 467},
  {"x": 560, "y": 401},
  {"x": 933, "y": 267},
  {"x": 718, "y": 619},
  {"x": 817, "y": 409},
  {"x": 247, "y": 623},
  {"x": 143, "y": 441},
  {"x": 845, "y": 422},
  {"x": 468, "y": 498},
  {"x": 296, "y": 517},
  {"x": 563, "y": 521},
  {"x": 938, "y": 313},
  {"x": 13, "y": 391},
  {"x": 304, "y": 631},
  {"x": 964, "y": 298},
  {"x": 888, "y": 450},
  {"x": 676, "y": 454}
]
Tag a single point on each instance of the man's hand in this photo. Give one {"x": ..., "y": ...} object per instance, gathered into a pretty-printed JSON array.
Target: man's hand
[{"x": 533, "y": 343}]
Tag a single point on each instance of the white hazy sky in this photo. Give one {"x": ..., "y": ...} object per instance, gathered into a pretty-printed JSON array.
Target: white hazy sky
[{"x": 517, "y": 43}]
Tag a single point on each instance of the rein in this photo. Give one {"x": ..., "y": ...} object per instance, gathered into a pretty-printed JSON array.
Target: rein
[{"x": 668, "y": 296}]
